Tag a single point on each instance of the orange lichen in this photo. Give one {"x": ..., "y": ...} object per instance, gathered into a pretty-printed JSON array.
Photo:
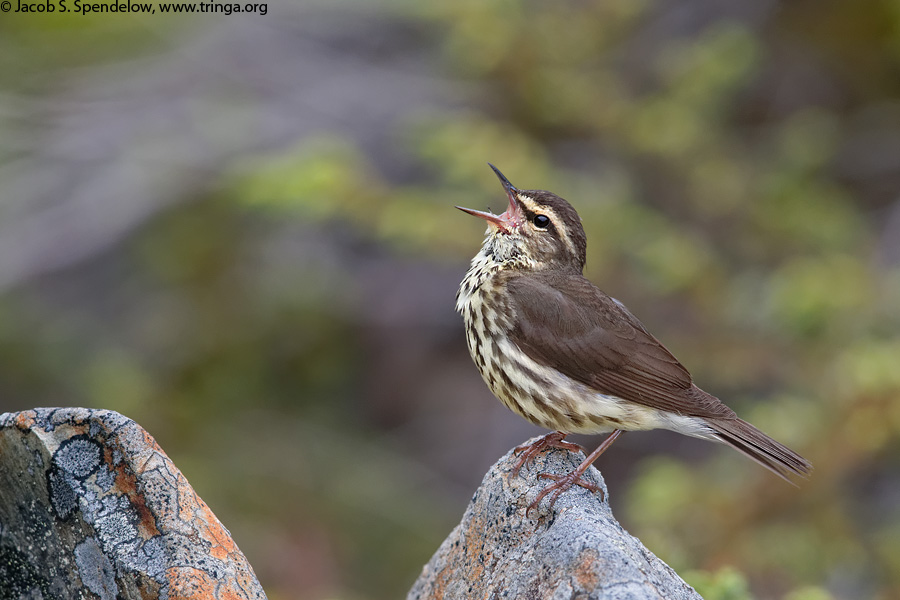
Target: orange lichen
[
  {"x": 586, "y": 569},
  {"x": 25, "y": 420},
  {"x": 126, "y": 483},
  {"x": 209, "y": 528},
  {"x": 188, "y": 583}
]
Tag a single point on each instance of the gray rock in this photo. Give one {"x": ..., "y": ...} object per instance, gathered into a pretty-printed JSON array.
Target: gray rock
[
  {"x": 576, "y": 549},
  {"x": 92, "y": 508}
]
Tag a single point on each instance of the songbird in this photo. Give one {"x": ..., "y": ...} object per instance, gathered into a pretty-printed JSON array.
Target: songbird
[{"x": 562, "y": 354}]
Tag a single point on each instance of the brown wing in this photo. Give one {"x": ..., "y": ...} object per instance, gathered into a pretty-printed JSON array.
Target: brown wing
[{"x": 565, "y": 322}]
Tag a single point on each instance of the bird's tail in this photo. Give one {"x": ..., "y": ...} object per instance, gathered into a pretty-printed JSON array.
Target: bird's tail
[{"x": 753, "y": 443}]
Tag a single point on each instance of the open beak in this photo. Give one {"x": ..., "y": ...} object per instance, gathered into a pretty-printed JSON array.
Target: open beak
[
  {"x": 510, "y": 219},
  {"x": 499, "y": 221}
]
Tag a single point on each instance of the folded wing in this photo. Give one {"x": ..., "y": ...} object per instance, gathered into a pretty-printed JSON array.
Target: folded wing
[{"x": 565, "y": 322}]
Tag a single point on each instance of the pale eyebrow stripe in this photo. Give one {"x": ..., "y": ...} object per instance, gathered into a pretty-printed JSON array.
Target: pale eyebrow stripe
[{"x": 531, "y": 205}]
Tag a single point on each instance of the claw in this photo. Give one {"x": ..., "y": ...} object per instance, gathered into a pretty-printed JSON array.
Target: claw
[
  {"x": 563, "y": 482},
  {"x": 560, "y": 485},
  {"x": 530, "y": 451}
]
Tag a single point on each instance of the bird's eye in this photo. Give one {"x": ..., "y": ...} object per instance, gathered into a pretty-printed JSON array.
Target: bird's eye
[{"x": 541, "y": 221}]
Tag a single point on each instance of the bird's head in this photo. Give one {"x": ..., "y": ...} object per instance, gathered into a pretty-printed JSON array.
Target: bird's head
[{"x": 538, "y": 230}]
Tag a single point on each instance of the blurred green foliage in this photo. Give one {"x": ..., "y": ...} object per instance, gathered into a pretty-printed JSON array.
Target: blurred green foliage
[
  {"x": 724, "y": 584},
  {"x": 719, "y": 211}
]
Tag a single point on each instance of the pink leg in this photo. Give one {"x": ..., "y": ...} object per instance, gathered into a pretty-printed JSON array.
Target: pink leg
[{"x": 564, "y": 482}]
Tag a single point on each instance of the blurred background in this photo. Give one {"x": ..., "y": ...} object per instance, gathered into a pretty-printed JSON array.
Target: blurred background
[{"x": 239, "y": 231}]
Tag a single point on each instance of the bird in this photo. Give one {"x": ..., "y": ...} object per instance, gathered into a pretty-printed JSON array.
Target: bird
[{"x": 556, "y": 350}]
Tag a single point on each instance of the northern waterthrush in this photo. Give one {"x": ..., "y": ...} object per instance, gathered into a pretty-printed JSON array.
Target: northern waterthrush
[{"x": 562, "y": 354}]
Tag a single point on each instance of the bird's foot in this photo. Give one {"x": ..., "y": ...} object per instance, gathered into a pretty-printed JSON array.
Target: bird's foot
[
  {"x": 530, "y": 451},
  {"x": 560, "y": 484},
  {"x": 563, "y": 482}
]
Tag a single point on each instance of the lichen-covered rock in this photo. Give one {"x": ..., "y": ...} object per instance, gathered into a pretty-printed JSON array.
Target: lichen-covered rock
[
  {"x": 92, "y": 508},
  {"x": 575, "y": 550}
]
